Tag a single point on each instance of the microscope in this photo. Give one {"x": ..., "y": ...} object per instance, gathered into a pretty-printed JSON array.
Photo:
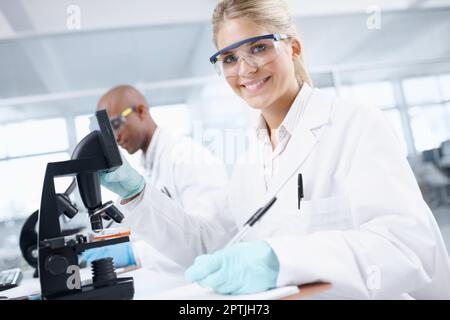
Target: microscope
[
  {"x": 28, "y": 233},
  {"x": 58, "y": 264}
]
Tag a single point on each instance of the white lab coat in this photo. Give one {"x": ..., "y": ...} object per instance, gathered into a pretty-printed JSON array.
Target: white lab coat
[
  {"x": 188, "y": 171},
  {"x": 182, "y": 168},
  {"x": 363, "y": 224}
]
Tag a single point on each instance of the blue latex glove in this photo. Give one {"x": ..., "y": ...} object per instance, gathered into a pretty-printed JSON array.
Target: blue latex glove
[
  {"x": 124, "y": 181},
  {"x": 244, "y": 268},
  {"x": 122, "y": 254}
]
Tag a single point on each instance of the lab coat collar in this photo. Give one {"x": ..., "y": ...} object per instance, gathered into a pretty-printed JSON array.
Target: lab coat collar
[
  {"x": 319, "y": 109},
  {"x": 296, "y": 111},
  {"x": 292, "y": 117},
  {"x": 317, "y": 113}
]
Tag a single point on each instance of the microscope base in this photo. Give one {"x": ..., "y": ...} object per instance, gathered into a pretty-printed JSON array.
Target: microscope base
[{"x": 121, "y": 289}]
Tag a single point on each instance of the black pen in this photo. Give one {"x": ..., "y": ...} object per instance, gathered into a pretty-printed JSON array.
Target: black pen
[
  {"x": 166, "y": 192},
  {"x": 299, "y": 189},
  {"x": 250, "y": 222}
]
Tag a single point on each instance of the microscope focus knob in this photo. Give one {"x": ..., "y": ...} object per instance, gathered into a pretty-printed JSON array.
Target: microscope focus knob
[{"x": 56, "y": 264}]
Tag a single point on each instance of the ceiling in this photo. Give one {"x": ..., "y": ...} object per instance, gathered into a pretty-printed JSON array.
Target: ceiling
[
  {"x": 19, "y": 17},
  {"x": 149, "y": 43}
]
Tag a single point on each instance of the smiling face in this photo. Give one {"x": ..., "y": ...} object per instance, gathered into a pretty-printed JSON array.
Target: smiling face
[{"x": 269, "y": 86}]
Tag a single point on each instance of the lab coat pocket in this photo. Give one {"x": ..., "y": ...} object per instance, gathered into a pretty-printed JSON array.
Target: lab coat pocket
[
  {"x": 284, "y": 219},
  {"x": 331, "y": 213}
]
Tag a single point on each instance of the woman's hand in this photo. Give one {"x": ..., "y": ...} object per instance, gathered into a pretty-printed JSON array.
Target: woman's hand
[
  {"x": 244, "y": 268},
  {"x": 121, "y": 253}
]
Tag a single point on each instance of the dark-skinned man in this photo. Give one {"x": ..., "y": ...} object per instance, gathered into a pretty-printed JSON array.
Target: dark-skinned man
[{"x": 182, "y": 169}]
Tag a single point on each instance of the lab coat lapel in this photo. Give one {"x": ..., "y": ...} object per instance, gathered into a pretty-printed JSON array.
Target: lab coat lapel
[
  {"x": 159, "y": 147},
  {"x": 254, "y": 176},
  {"x": 304, "y": 138}
]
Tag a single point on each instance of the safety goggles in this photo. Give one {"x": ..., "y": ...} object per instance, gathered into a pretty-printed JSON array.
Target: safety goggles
[
  {"x": 119, "y": 121},
  {"x": 256, "y": 52}
]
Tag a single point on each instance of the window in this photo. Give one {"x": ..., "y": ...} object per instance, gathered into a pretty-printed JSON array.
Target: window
[
  {"x": 444, "y": 82},
  {"x": 175, "y": 117},
  {"x": 30, "y": 145},
  {"x": 22, "y": 181},
  {"x": 34, "y": 137},
  {"x": 82, "y": 126},
  {"x": 430, "y": 125},
  {"x": 421, "y": 90},
  {"x": 2, "y": 143},
  {"x": 380, "y": 94}
]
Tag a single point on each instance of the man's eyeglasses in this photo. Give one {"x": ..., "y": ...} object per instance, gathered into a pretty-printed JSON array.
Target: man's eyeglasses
[{"x": 119, "y": 121}]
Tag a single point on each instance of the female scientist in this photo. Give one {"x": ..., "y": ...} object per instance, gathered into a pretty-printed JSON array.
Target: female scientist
[{"x": 362, "y": 224}]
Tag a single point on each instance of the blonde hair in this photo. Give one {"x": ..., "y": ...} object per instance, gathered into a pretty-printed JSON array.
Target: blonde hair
[{"x": 274, "y": 13}]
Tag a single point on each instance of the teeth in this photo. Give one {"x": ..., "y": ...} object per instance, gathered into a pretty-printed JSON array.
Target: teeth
[{"x": 256, "y": 85}]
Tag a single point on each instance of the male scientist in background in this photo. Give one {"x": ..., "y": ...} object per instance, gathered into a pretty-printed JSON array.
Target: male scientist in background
[{"x": 181, "y": 168}]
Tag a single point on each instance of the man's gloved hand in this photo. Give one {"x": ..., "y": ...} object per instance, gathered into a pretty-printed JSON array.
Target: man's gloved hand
[
  {"x": 125, "y": 181},
  {"x": 244, "y": 268},
  {"x": 121, "y": 253}
]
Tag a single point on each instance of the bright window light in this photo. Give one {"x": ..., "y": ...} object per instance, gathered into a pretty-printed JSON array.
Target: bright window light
[
  {"x": 379, "y": 94},
  {"x": 35, "y": 136},
  {"x": 2, "y": 143},
  {"x": 421, "y": 90},
  {"x": 444, "y": 82},
  {"x": 22, "y": 181},
  {"x": 175, "y": 117},
  {"x": 82, "y": 126},
  {"x": 430, "y": 125}
]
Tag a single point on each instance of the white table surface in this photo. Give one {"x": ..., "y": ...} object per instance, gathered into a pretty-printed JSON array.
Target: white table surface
[
  {"x": 146, "y": 283},
  {"x": 156, "y": 284}
]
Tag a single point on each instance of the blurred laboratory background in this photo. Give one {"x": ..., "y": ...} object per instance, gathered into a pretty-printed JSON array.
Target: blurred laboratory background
[{"x": 58, "y": 57}]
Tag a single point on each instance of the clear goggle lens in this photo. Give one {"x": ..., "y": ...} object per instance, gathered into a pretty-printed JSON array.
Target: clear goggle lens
[
  {"x": 255, "y": 54},
  {"x": 119, "y": 121}
]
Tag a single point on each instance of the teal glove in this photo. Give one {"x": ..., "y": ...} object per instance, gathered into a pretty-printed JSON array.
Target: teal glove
[
  {"x": 124, "y": 181},
  {"x": 121, "y": 253},
  {"x": 244, "y": 268}
]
